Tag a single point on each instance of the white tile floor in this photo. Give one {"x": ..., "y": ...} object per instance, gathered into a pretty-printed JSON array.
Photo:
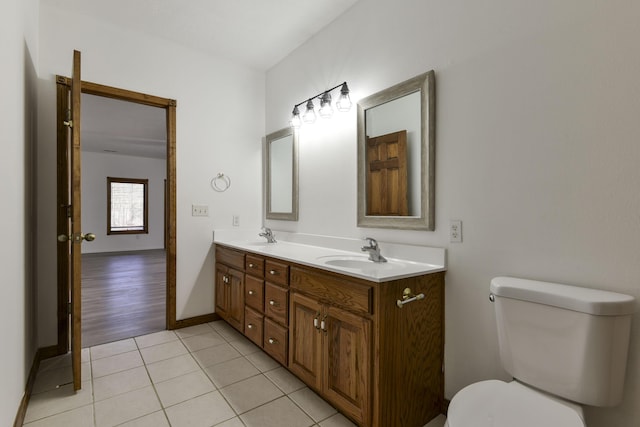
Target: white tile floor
[{"x": 202, "y": 376}]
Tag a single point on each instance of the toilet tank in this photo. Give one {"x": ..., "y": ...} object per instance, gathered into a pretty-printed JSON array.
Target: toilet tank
[{"x": 566, "y": 340}]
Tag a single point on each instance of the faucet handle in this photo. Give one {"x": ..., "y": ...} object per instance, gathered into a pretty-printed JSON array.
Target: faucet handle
[{"x": 371, "y": 241}]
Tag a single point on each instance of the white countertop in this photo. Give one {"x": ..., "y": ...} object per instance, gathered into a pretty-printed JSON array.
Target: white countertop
[{"x": 355, "y": 264}]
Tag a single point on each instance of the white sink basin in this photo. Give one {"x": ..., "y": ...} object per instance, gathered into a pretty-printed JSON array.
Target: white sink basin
[{"x": 358, "y": 262}]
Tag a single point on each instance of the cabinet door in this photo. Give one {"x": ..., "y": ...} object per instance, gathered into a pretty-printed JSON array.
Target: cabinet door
[
  {"x": 305, "y": 338},
  {"x": 347, "y": 355},
  {"x": 236, "y": 299},
  {"x": 222, "y": 291}
]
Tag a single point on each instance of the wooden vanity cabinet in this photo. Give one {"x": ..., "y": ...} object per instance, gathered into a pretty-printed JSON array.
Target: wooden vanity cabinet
[
  {"x": 330, "y": 351},
  {"x": 346, "y": 338},
  {"x": 229, "y": 290}
]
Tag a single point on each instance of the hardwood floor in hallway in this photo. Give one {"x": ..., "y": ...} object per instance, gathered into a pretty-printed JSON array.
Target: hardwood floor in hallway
[{"x": 123, "y": 295}]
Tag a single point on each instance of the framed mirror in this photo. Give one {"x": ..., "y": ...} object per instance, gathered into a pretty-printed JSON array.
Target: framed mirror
[
  {"x": 396, "y": 156},
  {"x": 281, "y": 175}
]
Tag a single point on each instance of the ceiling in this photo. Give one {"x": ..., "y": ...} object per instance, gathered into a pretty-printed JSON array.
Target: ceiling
[{"x": 254, "y": 33}]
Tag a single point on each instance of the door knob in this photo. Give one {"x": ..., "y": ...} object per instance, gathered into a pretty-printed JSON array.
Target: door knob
[{"x": 89, "y": 237}]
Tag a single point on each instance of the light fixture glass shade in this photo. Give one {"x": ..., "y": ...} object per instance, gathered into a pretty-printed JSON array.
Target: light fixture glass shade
[
  {"x": 295, "y": 118},
  {"x": 344, "y": 102},
  {"x": 310, "y": 114},
  {"x": 326, "y": 110}
]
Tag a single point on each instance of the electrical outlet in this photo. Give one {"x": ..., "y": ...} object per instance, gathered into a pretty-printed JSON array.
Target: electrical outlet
[
  {"x": 455, "y": 231},
  {"x": 199, "y": 210},
  {"x": 236, "y": 220}
]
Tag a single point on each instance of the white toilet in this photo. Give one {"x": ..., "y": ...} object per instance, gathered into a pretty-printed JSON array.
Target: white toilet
[{"x": 565, "y": 346}]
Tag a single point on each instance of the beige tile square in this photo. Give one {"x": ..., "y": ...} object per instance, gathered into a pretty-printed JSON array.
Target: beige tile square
[
  {"x": 85, "y": 370},
  {"x": 50, "y": 378},
  {"x": 227, "y": 331},
  {"x": 119, "y": 362},
  {"x": 437, "y": 421},
  {"x": 279, "y": 413},
  {"x": 85, "y": 355},
  {"x": 112, "y": 348},
  {"x": 55, "y": 362},
  {"x": 245, "y": 346},
  {"x": 183, "y": 388},
  {"x": 155, "y": 338},
  {"x": 250, "y": 393},
  {"x": 81, "y": 417},
  {"x": 233, "y": 422},
  {"x": 194, "y": 330},
  {"x": 337, "y": 420},
  {"x": 231, "y": 371},
  {"x": 126, "y": 407},
  {"x": 285, "y": 380},
  {"x": 156, "y": 419},
  {"x": 171, "y": 368},
  {"x": 198, "y": 342},
  {"x": 163, "y": 351},
  {"x": 312, "y": 404},
  {"x": 202, "y": 411},
  {"x": 262, "y": 361},
  {"x": 120, "y": 382},
  {"x": 218, "y": 354},
  {"x": 57, "y": 401}
]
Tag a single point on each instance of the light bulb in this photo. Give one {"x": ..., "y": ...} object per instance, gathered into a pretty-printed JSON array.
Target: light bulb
[
  {"x": 326, "y": 110},
  {"x": 344, "y": 103},
  {"x": 310, "y": 114}
]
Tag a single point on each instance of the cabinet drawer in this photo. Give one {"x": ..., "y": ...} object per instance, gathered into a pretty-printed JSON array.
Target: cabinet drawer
[
  {"x": 254, "y": 265},
  {"x": 254, "y": 292},
  {"x": 253, "y": 326},
  {"x": 334, "y": 290},
  {"x": 276, "y": 339},
  {"x": 230, "y": 257},
  {"x": 276, "y": 303},
  {"x": 276, "y": 272}
]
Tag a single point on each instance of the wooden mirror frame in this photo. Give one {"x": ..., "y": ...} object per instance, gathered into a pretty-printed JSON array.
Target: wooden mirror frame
[
  {"x": 425, "y": 84},
  {"x": 269, "y": 213}
]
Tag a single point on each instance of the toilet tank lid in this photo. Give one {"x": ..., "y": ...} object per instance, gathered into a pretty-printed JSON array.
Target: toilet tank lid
[{"x": 591, "y": 301}]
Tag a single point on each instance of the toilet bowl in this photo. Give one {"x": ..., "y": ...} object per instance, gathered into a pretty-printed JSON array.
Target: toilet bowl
[
  {"x": 495, "y": 403},
  {"x": 565, "y": 346}
]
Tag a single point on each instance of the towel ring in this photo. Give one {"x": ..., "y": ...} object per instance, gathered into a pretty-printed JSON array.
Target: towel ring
[{"x": 221, "y": 183}]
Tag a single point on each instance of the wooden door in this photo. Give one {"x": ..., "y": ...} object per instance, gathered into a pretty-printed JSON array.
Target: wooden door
[
  {"x": 387, "y": 186},
  {"x": 347, "y": 358},
  {"x": 305, "y": 338}
]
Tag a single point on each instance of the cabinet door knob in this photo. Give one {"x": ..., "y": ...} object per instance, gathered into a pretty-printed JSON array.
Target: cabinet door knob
[
  {"x": 273, "y": 272},
  {"x": 250, "y": 326},
  {"x": 251, "y": 292},
  {"x": 273, "y": 341},
  {"x": 273, "y": 303},
  {"x": 251, "y": 265},
  {"x": 316, "y": 322}
]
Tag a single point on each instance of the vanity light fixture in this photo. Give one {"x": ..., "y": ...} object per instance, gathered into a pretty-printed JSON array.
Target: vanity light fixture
[{"x": 326, "y": 109}]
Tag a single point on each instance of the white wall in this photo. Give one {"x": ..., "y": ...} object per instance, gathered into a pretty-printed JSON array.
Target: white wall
[
  {"x": 214, "y": 97},
  {"x": 96, "y": 167},
  {"x": 18, "y": 50},
  {"x": 537, "y": 150}
]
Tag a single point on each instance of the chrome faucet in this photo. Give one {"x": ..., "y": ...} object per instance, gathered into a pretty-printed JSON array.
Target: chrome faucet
[
  {"x": 374, "y": 250},
  {"x": 268, "y": 234}
]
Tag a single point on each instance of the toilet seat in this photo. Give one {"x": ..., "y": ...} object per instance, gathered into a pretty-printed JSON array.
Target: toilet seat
[{"x": 496, "y": 403}]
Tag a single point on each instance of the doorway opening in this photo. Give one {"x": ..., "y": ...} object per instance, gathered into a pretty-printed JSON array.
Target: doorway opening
[{"x": 147, "y": 261}]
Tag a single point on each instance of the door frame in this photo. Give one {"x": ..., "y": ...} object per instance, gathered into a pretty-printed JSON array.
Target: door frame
[{"x": 63, "y": 87}]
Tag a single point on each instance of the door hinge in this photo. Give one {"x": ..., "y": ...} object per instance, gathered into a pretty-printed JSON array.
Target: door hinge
[
  {"x": 68, "y": 123},
  {"x": 68, "y": 309}
]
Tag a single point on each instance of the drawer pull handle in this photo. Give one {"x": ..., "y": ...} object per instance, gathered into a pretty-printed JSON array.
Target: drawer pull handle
[
  {"x": 273, "y": 303},
  {"x": 251, "y": 292},
  {"x": 251, "y": 265},
  {"x": 273, "y": 272},
  {"x": 273, "y": 341},
  {"x": 250, "y": 326}
]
